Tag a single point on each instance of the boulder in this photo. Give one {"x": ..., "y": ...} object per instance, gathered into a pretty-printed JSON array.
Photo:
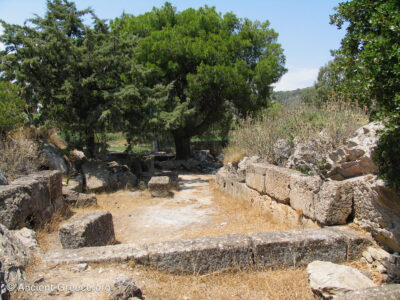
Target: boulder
[
  {"x": 52, "y": 158},
  {"x": 77, "y": 158},
  {"x": 13, "y": 258},
  {"x": 374, "y": 212},
  {"x": 390, "y": 291},
  {"x": 111, "y": 176},
  {"x": 3, "y": 179},
  {"x": 31, "y": 200},
  {"x": 379, "y": 258},
  {"x": 124, "y": 288},
  {"x": 328, "y": 280},
  {"x": 159, "y": 186},
  {"x": 308, "y": 154},
  {"x": 282, "y": 150},
  {"x": 355, "y": 158},
  {"x": 28, "y": 238},
  {"x": 95, "y": 228}
]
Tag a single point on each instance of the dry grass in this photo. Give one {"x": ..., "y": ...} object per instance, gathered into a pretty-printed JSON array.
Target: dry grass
[
  {"x": 233, "y": 155},
  {"x": 258, "y": 136},
  {"x": 19, "y": 157},
  {"x": 225, "y": 285}
]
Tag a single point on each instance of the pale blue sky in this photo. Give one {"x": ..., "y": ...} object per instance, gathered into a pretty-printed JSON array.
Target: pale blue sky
[{"x": 303, "y": 26}]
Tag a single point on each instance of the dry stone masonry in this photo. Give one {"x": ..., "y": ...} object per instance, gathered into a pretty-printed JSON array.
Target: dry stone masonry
[{"x": 92, "y": 229}]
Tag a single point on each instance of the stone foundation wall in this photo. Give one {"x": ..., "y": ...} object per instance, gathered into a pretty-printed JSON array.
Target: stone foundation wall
[
  {"x": 290, "y": 196},
  {"x": 31, "y": 200}
]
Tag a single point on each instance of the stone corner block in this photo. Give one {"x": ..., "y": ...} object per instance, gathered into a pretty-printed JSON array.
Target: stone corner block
[{"x": 159, "y": 186}]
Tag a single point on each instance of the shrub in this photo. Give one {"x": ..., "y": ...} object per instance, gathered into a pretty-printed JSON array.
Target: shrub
[
  {"x": 258, "y": 135},
  {"x": 11, "y": 107}
]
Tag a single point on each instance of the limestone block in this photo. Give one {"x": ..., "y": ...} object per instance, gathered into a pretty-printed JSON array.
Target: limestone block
[
  {"x": 334, "y": 203},
  {"x": 328, "y": 280},
  {"x": 277, "y": 183},
  {"x": 304, "y": 192},
  {"x": 297, "y": 247},
  {"x": 95, "y": 228},
  {"x": 202, "y": 255},
  {"x": 159, "y": 186},
  {"x": 390, "y": 291},
  {"x": 255, "y": 176}
]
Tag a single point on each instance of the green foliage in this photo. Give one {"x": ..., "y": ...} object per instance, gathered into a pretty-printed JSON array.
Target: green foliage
[
  {"x": 80, "y": 78},
  {"x": 369, "y": 59},
  {"x": 11, "y": 107},
  {"x": 214, "y": 65}
]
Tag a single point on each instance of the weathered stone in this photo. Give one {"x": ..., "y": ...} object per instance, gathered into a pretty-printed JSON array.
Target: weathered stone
[
  {"x": 101, "y": 176},
  {"x": 390, "y": 262},
  {"x": 28, "y": 239},
  {"x": 277, "y": 183},
  {"x": 370, "y": 214},
  {"x": 334, "y": 203},
  {"x": 387, "y": 292},
  {"x": 282, "y": 150},
  {"x": 52, "y": 158},
  {"x": 92, "y": 229},
  {"x": 75, "y": 199},
  {"x": 102, "y": 254},
  {"x": 202, "y": 255},
  {"x": 170, "y": 164},
  {"x": 255, "y": 176},
  {"x": 242, "y": 166},
  {"x": 356, "y": 156},
  {"x": 304, "y": 193},
  {"x": 123, "y": 288},
  {"x": 77, "y": 158},
  {"x": 159, "y": 186},
  {"x": 328, "y": 280},
  {"x": 13, "y": 257},
  {"x": 30, "y": 200},
  {"x": 3, "y": 179},
  {"x": 147, "y": 164},
  {"x": 298, "y": 247}
]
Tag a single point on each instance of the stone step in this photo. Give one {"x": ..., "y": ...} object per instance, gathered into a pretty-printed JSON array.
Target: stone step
[{"x": 208, "y": 254}]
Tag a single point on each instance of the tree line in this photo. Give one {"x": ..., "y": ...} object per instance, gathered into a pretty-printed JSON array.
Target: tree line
[{"x": 162, "y": 72}]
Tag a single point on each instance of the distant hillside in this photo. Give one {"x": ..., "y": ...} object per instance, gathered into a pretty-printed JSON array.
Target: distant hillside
[{"x": 287, "y": 97}]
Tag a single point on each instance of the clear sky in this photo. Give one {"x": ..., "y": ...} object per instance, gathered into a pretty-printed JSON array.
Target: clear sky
[{"x": 303, "y": 26}]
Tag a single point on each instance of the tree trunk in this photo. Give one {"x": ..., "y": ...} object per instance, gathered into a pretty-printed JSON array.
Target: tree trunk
[
  {"x": 182, "y": 147},
  {"x": 91, "y": 144}
]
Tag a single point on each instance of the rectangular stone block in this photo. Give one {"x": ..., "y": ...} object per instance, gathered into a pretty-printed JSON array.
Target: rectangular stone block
[
  {"x": 297, "y": 247},
  {"x": 14, "y": 206},
  {"x": 202, "y": 255},
  {"x": 159, "y": 186},
  {"x": 95, "y": 228},
  {"x": 277, "y": 183},
  {"x": 334, "y": 203},
  {"x": 304, "y": 192},
  {"x": 255, "y": 176}
]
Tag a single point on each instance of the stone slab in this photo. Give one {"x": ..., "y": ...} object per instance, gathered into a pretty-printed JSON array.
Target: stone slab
[
  {"x": 387, "y": 292},
  {"x": 202, "y": 255},
  {"x": 297, "y": 247}
]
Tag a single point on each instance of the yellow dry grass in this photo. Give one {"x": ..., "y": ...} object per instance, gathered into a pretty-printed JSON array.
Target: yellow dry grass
[{"x": 225, "y": 285}]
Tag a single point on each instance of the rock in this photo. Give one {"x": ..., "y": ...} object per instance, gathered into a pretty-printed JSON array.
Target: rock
[
  {"x": 75, "y": 199},
  {"x": 191, "y": 164},
  {"x": 159, "y": 186},
  {"x": 328, "y": 280},
  {"x": 80, "y": 267},
  {"x": 304, "y": 193},
  {"x": 31, "y": 200},
  {"x": 3, "y": 179},
  {"x": 13, "y": 258},
  {"x": 387, "y": 262},
  {"x": 355, "y": 158},
  {"x": 282, "y": 150},
  {"x": 95, "y": 228},
  {"x": 171, "y": 164},
  {"x": 201, "y": 255},
  {"x": 52, "y": 158},
  {"x": 124, "y": 288},
  {"x": 242, "y": 166},
  {"x": 308, "y": 155},
  {"x": 147, "y": 163},
  {"x": 390, "y": 291},
  {"x": 372, "y": 214},
  {"x": 111, "y": 176},
  {"x": 277, "y": 183},
  {"x": 27, "y": 238},
  {"x": 255, "y": 176},
  {"x": 78, "y": 158},
  {"x": 334, "y": 203}
]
